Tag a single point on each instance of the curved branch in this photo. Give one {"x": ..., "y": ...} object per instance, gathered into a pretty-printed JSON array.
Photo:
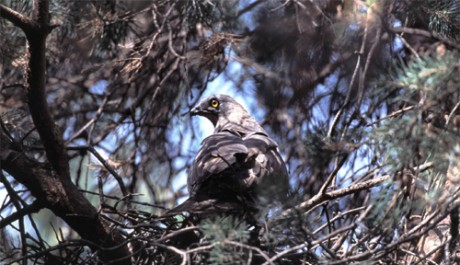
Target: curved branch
[
  {"x": 331, "y": 195},
  {"x": 32, "y": 208},
  {"x": 427, "y": 34},
  {"x": 62, "y": 197},
  {"x": 18, "y": 19},
  {"x": 49, "y": 133},
  {"x": 53, "y": 188}
]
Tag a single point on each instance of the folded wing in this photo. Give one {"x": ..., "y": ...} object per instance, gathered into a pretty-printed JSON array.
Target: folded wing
[{"x": 232, "y": 168}]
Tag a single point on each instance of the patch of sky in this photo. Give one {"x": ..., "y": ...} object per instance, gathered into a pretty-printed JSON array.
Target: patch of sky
[
  {"x": 397, "y": 43},
  {"x": 14, "y": 232},
  {"x": 51, "y": 98},
  {"x": 247, "y": 16},
  {"x": 320, "y": 109},
  {"x": 99, "y": 88},
  {"x": 188, "y": 147},
  {"x": 121, "y": 131},
  {"x": 69, "y": 129},
  {"x": 335, "y": 56},
  {"x": 362, "y": 8},
  {"x": 353, "y": 26},
  {"x": 355, "y": 167}
]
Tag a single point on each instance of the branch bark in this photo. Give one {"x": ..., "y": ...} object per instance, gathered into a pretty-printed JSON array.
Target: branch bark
[
  {"x": 427, "y": 34},
  {"x": 53, "y": 187},
  {"x": 35, "y": 90},
  {"x": 331, "y": 195},
  {"x": 62, "y": 197},
  {"x": 322, "y": 197},
  {"x": 16, "y": 18}
]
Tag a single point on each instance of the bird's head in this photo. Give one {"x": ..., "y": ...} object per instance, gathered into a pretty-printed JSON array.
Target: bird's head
[
  {"x": 226, "y": 114},
  {"x": 210, "y": 107}
]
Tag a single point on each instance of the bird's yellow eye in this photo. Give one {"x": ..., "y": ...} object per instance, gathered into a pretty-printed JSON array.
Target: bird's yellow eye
[{"x": 214, "y": 103}]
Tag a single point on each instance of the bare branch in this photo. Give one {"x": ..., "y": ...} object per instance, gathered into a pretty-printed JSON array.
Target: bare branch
[
  {"x": 428, "y": 34},
  {"x": 18, "y": 19}
]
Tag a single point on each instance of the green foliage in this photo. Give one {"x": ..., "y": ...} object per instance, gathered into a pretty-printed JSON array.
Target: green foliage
[
  {"x": 444, "y": 17},
  {"x": 427, "y": 87},
  {"x": 210, "y": 13},
  {"x": 440, "y": 16},
  {"x": 220, "y": 231},
  {"x": 113, "y": 33},
  {"x": 429, "y": 73}
]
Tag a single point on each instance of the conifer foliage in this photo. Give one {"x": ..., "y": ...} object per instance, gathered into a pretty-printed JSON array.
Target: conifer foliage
[{"x": 363, "y": 98}]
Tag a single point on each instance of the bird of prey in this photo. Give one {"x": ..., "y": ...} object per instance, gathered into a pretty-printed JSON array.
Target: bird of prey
[{"x": 238, "y": 167}]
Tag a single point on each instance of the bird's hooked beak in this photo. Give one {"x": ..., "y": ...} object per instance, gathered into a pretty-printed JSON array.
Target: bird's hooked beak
[
  {"x": 193, "y": 112},
  {"x": 196, "y": 111}
]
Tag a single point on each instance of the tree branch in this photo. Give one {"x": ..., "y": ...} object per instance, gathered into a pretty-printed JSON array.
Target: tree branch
[
  {"x": 427, "y": 34},
  {"x": 322, "y": 197},
  {"x": 62, "y": 197},
  {"x": 32, "y": 208},
  {"x": 53, "y": 187},
  {"x": 18, "y": 19},
  {"x": 35, "y": 90}
]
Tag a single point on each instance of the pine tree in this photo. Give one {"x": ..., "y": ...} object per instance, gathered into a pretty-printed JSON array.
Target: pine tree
[{"x": 362, "y": 97}]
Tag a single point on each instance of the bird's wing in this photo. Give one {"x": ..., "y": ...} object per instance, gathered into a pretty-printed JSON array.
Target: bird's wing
[
  {"x": 269, "y": 168},
  {"x": 220, "y": 152},
  {"x": 228, "y": 167}
]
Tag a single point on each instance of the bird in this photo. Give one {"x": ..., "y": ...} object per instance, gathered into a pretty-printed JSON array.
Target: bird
[{"x": 238, "y": 168}]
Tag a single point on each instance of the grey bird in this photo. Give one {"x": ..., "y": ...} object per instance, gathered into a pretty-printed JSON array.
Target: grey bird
[{"x": 238, "y": 167}]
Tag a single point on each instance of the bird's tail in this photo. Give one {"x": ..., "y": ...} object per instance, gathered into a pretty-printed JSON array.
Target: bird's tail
[
  {"x": 207, "y": 207},
  {"x": 183, "y": 207}
]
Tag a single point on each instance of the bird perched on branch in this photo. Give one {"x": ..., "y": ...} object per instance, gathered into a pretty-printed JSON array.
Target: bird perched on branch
[{"x": 238, "y": 167}]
